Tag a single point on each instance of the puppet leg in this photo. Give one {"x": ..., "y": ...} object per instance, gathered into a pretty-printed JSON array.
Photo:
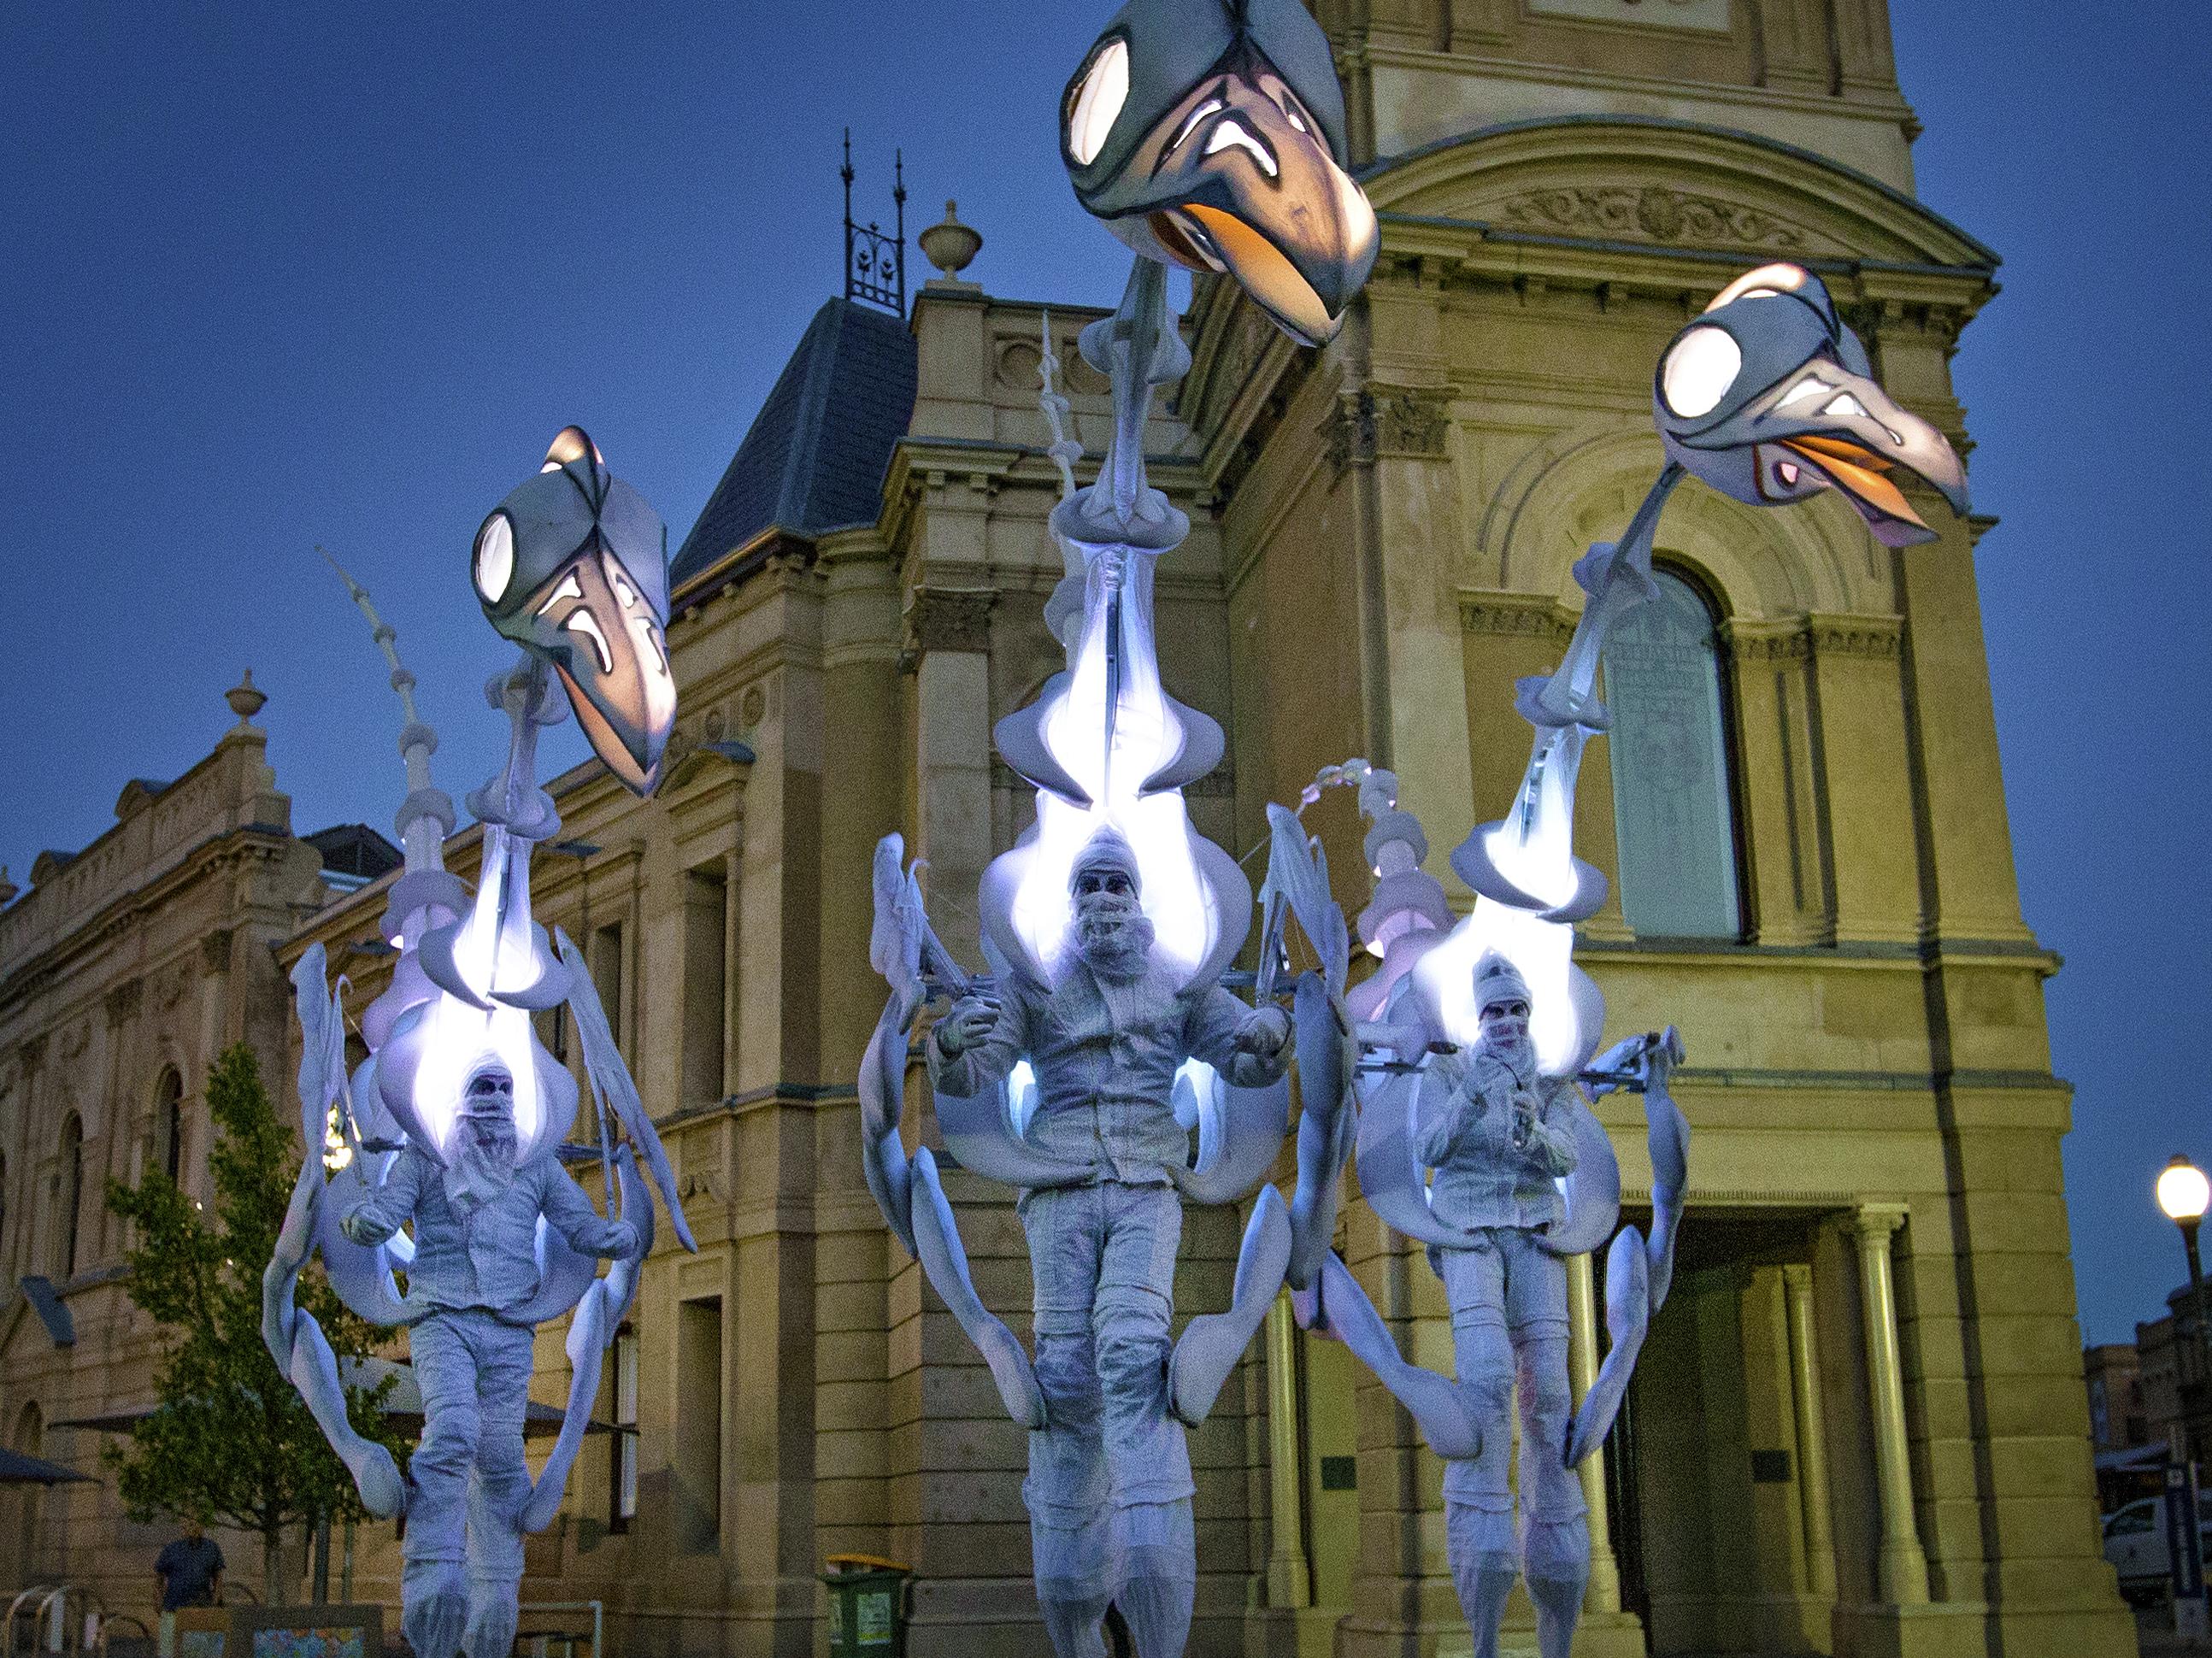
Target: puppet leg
[
  {"x": 501, "y": 1485},
  {"x": 1066, "y": 1491},
  {"x": 1554, "y": 1519},
  {"x": 434, "y": 1596},
  {"x": 1479, "y": 1541},
  {"x": 1147, "y": 1454}
]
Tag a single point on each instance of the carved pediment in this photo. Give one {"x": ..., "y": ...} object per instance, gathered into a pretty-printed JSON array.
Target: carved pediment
[
  {"x": 1669, "y": 183},
  {"x": 1653, "y": 213}
]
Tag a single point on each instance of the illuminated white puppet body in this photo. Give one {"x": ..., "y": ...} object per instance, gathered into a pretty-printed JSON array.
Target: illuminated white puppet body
[
  {"x": 1109, "y": 1488},
  {"x": 453, "y": 1124}
]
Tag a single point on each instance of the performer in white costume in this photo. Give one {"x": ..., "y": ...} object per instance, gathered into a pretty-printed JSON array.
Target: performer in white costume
[
  {"x": 476, "y": 1225},
  {"x": 1109, "y": 1488},
  {"x": 1487, "y": 1130}
]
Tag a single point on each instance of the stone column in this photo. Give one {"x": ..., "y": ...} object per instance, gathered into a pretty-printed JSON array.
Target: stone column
[
  {"x": 948, "y": 633},
  {"x": 1812, "y": 1443},
  {"x": 1903, "y": 1575},
  {"x": 1290, "y": 1579},
  {"x": 1603, "y": 1593}
]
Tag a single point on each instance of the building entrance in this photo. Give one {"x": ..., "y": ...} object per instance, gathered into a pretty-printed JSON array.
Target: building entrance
[{"x": 1719, "y": 1473}]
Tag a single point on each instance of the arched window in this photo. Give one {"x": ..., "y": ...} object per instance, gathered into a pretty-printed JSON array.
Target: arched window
[
  {"x": 169, "y": 1122},
  {"x": 68, "y": 1182},
  {"x": 1672, "y": 796}
]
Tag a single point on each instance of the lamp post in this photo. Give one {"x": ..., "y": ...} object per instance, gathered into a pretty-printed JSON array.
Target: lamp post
[{"x": 2184, "y": 1193}]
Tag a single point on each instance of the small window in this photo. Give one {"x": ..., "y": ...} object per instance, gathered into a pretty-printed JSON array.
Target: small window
[
  {"x": 68, "y": 1191},
  {"x": 1673, "y": 798},
  {"x": 605, "y": 964},
  {"x": 622, "y": 1442},
  {"x": 169, "y": 1122}
]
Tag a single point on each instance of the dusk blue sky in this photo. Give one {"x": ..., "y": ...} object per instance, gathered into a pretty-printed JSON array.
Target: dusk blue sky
[{"x": 278, "y": 274}]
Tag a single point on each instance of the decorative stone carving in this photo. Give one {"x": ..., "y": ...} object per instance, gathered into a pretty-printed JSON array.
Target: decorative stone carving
[
  {"x": 949, "y": 619},
  {"x": 1878, "y": 636},
  {"x": 752, "y": 707},
  {"x": 215, "y": 950},
  {"x": 1529, "y": 615},
  {"x": 1652, "y": 213},
  {"x": 1348, "y": 434},
  {"x": 1754, "y": 640},
  {"x": 1388, "y": 420},
  {"x": 123, "y": 1001}
]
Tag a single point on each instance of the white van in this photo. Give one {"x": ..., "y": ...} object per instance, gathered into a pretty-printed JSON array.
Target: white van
[{"x": 2135, "y": 1542}]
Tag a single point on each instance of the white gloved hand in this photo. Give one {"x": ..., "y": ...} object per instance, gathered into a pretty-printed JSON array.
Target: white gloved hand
[{"x": 968, "y": 1025}]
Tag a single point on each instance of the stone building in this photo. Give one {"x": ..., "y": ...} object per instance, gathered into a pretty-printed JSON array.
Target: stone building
[
  {"x": 1859, "y": 1425},
  {"x": 124, "y": 971}
]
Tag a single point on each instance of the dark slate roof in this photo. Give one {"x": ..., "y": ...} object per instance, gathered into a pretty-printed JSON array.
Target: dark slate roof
[
  {"x": 353, "y": 851},
  {"x": 814, "y": 458}
]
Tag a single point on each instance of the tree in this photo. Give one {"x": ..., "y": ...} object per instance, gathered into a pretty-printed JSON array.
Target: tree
[{"x": 231, "y": 1439}]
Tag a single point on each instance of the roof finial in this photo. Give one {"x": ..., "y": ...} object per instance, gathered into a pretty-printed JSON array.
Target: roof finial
[
  {"x": 952, "y": 245},
  {"x": 875, "y": 259},
  {"x": 245, "y": 698}
]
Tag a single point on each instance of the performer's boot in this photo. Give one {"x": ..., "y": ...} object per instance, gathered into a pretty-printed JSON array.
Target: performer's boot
[
  {"x": 434, "y": 1607},
  {"x": 1156, "y": 1554},
  {"x": 1479, "y": 1546},
  {"x": 1555, "y": 1548},
  {"x": 1077, "y": 1627},
  {"x": 1556, "y": 1556}
]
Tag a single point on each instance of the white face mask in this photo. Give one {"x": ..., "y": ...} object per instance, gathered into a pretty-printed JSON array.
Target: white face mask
[
  {"x": 1505, "y": 1031},
  {"x": 1113, "y": 936}
]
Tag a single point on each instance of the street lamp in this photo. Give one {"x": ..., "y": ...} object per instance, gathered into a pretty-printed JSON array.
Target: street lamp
[{"x": 2184, "y": 1193}]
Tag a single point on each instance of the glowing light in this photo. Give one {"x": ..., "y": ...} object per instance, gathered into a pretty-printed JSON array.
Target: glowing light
[
  {"x": 2183, "y": 1191},
  {"x": 456, "y": 1040},
  {"x": 1533, "y": 849},
  {"x": 1021, "y": 1095},
  {"x": 1146, "y": 737},
  {"x": 1699, "y": 370},
  {"x": 1098, "y": 103},
  {"x": 1769, "y": 282},
  {"x": 1543, "y": 952},
  {"x": 494, "y": 565},
  {"x": 337, "y": 1151}
]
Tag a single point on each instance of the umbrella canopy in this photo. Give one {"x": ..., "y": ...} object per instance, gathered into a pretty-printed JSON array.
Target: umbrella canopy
[
  {"x": 404, "y": 1404},
  {"x": 17, "y": 1469}
]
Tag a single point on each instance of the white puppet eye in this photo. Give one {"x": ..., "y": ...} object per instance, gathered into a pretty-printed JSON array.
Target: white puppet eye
[
  {"x": 1231, "y": 135},
  {"x": 618, "y": 580},
  {"x": 1811, "y": 387},
  {"x": 1208, "y": 106},
  {"x": 1844, "y": 403},
  {"x": 1098, "y": 101},
  {"x": 494, "y": 557},
  {"x": 581, "y": 621},
  {"x": 1698, "y": 371}
]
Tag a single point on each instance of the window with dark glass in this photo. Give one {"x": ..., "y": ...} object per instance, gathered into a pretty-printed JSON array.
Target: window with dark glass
[
  {"x": 622, "y": 1442},
  {"x": 169, "y": 1121},
  {"x": 68, "y": 1190},
  {"x": 1674, "y": 805}
]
